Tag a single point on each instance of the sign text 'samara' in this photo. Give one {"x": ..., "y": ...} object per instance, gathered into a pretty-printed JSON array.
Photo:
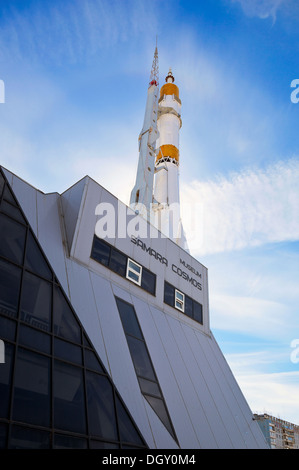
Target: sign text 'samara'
[
  {"x": 176, "y": 269},
  {"x": 149, "y": 250}
]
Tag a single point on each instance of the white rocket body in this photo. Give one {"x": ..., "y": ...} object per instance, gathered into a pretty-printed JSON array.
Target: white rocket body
[{"x": 142, "y": 193}]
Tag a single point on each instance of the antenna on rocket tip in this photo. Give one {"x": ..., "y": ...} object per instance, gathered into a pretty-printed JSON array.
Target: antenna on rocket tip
[{"x": 154, "y": 78}]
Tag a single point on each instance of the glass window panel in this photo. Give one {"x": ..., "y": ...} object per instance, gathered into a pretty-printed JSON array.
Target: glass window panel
[
  {"x": 12, "y": 239},
  {"x": 128, "y": 318},
  {"x": 197, "y": 311},
  {"x": 32, "y": 388},
  {"x": 8, "y": 195},
  {"x": 62, "y": 441},
  {"x": 35, "y": 260},
  {"x": 65, "y": 323},
  {"x": 34, "y": 339},
  {"x": 141, "y": 358},
  {"x": 7, "y": 329},
  {"x": 28, "y": 438},
  {"x": 86, "y": 341},
  {"x": 159, "y": 407},
  {"x": 36, "y": 302},
  {"x": 133, "y": 276},
  {"x": 148, "y": 281},
  {"x": 5, "y": 380},
  {"x": 103, "y": 445},
  {"x": 147, "y": 386},
  {"x": 135, "y": 266},
  {"x": 92, "y": 362},
  {"x": 169, "y": 294},
  {"x": 10, "y": 281},
  {"x": 100, "y": 251},
  {"x": 118, "y": 262},
  {"x": 1, "y": 185},
  {"x": 3, "y": 427},
  {"x": 188, "y": 306},
  {"x": 69, "y": 401},
  {"x": 127, "y": 429},
  {"x": 101, "y": 411},
  {"x": 13, "y": 211},
  {"x": 67, "y": 351}
]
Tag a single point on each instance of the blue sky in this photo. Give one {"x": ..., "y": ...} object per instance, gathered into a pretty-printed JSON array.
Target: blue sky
[{"x": 76, "y": 75}]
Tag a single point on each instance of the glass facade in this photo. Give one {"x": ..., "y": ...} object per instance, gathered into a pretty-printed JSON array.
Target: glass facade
[
  {"x": 144, "y": 369},
  {"x": 54, "y": 389}
]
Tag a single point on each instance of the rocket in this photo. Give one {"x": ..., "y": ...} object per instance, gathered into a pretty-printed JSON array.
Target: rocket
[
  {"x": 142, "y": 193},
  {"x": 155, "y": 195},
  {"x": 166, "y": 207}
]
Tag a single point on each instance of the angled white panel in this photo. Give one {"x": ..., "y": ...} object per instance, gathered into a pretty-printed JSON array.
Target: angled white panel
[
  {"x": 234, "y": 398},
  {"x": 199, "y": 373},
  {"x": 188, "y": 393},
  {"x": 48, "y": 215},
  {"x": 205, "y": 361},
  {"x": 82, "y": 298},
  {"x": 167, "y": 380},
  {"x": 71, "y": 202}
]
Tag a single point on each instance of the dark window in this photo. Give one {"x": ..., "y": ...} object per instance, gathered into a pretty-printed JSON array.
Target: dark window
[
  {"x": 118, "y": 262},
  {"x": 65, "y": 324},
  {"x": 35, "y": 260},
  {"x": 32, "y": 388},
  {"x": 91, "y": 361},
  {"x": 67, "y": 351},
  {"x": 10, "y": 281},
  {"x": 122, "y": 265},
  {"x": 169, "y": 294},
  {"x": 12, "y": 239},
  {"x": 28, "y": 438},
  {"x": 13, "y": 211},
  {"x": 5, "y": 380},
  {"x": 7, "y": 195},
  {"x": 141, "y": 360},
  {"x": 69, "y": 403},
  {"x": 127, "y": 431},
  {"x": 148, "y": 281},
  {"x": 129, "y": 319},
  {"x": 101, "y": 409},
  {"x": 36, "y": 302},
  {"x": 182, "y": 302},
  {"x": 197, "y": 311},
  {"x": 100, "y": 251},
  {"x": 144, "y": 369},
  {"x": 188, "y": 306},
  {"x": 68, "y": 442},
  {"x": 8, "y": 329},
  {"x": 149, "y": 387},
  {"x": 159, "y": 407},
  {"x": 34, "y": 339},
  {"x": 1, "y": 185}
]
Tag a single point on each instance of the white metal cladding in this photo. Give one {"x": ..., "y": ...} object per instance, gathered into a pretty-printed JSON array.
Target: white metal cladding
[{"x": 205, "y": 403}]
